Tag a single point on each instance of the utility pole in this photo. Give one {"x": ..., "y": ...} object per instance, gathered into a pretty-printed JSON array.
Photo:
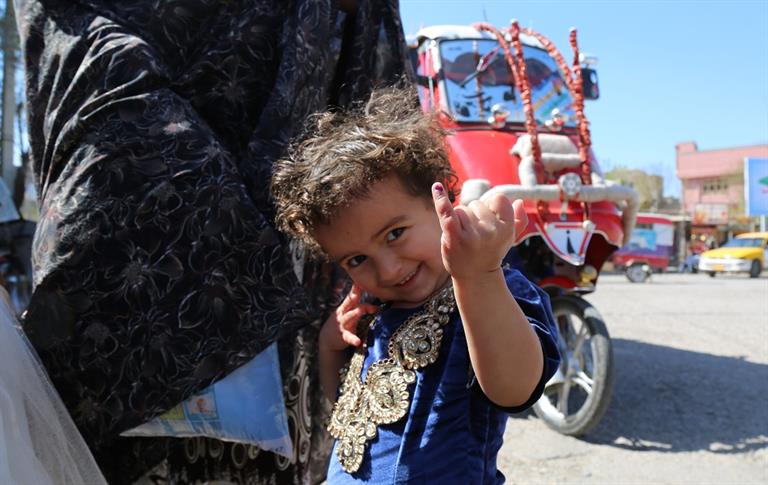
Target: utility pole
[{"x": 9, "y": 94}]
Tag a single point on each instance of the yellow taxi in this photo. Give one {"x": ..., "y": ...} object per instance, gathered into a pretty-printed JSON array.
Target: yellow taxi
[{"x": 746, "y": 253}]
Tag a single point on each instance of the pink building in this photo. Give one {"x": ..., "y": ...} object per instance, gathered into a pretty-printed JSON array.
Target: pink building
[{"x": 713, "y": 188}]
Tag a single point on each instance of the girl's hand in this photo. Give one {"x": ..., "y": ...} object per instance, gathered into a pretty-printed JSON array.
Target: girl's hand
[
  {"x": 338, "y": 331},
  {"x": 478, "y": 236}
]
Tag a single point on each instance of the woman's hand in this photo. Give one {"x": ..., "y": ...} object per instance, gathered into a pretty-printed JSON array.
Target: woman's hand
[
  {"x": 478, "y": 236},
  {"x": 339, "y": 330}
]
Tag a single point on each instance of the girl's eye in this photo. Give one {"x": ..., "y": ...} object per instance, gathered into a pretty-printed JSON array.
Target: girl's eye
[
  {"x": 395, "y": 233},
  {"x": 355, "y": 261}
]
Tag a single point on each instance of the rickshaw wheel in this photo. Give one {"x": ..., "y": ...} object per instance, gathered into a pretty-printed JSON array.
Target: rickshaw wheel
[
  {"x": 576, "y": 398},
  {"x": 637, "y": 273}
]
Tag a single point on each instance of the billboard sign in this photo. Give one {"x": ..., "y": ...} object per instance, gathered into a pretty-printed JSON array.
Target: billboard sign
[
  {"x": 756, "y": 186},
  {"x": 710, "y": 214}
]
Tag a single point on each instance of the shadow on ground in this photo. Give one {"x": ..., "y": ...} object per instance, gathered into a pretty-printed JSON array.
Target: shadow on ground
[
  {"x": 666, "y": 399},
  {"x": 687, "y": 279}
]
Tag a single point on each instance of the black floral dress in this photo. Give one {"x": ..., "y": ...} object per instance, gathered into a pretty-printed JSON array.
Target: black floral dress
[{"x": 153, "y": 126}]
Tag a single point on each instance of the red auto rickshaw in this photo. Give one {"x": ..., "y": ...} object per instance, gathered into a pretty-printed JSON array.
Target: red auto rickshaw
[{"x": 515, "y": 111}]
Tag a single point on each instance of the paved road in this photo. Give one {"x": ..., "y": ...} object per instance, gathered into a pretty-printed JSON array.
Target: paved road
[{"x": 689, "y": 401}]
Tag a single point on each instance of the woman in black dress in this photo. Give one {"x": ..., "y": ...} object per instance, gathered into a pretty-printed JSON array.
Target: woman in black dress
[{"x": 153, "y": 126}]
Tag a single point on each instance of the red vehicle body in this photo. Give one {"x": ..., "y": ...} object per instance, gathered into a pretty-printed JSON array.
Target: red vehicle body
[
  {"x": 651, "y": 244},
  {"x": 514, "y": 111},
  {"x": 483, "y": 158}
]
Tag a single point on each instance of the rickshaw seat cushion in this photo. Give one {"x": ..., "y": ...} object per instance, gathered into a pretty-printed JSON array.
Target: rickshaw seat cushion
[{"x": 557, "y": 153}]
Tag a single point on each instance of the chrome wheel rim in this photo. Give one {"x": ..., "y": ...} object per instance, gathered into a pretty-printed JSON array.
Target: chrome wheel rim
[{"x": 572, "y": 388}]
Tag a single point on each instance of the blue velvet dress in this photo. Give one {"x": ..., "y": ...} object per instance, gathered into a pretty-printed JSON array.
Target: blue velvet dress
[{"x": 452, "y": 432}]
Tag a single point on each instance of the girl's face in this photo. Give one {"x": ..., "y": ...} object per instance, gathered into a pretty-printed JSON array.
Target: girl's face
[{"x": 389, "y": 243}]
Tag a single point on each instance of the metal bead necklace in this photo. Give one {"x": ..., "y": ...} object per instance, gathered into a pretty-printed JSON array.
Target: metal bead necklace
[{"x": 384, "y": 397}]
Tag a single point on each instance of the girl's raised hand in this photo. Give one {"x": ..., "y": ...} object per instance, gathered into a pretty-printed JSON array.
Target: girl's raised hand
[
  {"x": 478, "y": 236},
  {"x": 339, "y": 329}
]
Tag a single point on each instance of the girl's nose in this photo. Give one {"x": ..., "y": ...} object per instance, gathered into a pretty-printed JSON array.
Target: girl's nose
[{"x": 388, "y": 268}]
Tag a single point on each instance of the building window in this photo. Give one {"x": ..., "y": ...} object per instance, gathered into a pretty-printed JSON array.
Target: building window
[{"x": 715, "y": 185}]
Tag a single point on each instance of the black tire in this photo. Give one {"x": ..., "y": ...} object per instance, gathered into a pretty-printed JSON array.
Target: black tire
[
  {"x": 711, "y": 274},
  {"x": 595, "y": 361},
  {"x": 755, "y": 269},
  {"x": 637, "y": 273}
]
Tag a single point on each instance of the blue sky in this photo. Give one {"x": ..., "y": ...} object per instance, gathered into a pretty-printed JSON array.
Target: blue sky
[{"x": 670, "y": 71}]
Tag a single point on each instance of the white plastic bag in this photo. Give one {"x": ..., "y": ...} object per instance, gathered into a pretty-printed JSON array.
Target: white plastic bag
[
  {"x": 246, "y": 406},
  {"x": 39, "y": 443}
]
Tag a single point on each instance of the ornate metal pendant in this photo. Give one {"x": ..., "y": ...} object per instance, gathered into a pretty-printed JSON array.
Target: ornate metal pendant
[{"x": 384, "y": 397}]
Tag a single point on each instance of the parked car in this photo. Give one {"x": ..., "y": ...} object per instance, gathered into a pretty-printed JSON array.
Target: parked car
[
  {"x": 649, "y": 248},
  {"x": 746, "y": 253}
]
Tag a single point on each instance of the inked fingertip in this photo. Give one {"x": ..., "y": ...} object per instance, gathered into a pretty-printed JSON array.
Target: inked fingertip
[{"x": 438, "y": 188}]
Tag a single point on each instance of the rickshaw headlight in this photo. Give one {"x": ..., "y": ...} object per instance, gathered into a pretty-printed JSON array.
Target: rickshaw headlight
[{"x": 570, "y": 184}]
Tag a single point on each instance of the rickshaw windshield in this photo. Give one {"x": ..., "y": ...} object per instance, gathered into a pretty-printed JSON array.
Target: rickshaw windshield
[{"x": 477, "y": 77}]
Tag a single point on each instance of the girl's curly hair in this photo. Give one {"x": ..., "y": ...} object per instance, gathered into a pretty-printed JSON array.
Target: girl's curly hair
[{"x": 343, "y": 153}]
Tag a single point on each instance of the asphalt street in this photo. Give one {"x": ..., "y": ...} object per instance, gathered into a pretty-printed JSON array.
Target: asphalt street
[{"x": 689, "y": 397}]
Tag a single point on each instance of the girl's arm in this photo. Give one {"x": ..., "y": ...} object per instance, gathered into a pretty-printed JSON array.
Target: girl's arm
[
  {"x": 337, "y": 334},
  {"x": 505, "y": 351},
  {"x": 331, "y": 362}
]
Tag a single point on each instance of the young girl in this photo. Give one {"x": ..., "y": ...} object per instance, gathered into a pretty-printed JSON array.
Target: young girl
[{"x": 445, "y": 341}]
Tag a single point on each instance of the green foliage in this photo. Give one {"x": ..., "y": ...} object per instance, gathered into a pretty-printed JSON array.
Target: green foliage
[{"x": 649, "y": 187}]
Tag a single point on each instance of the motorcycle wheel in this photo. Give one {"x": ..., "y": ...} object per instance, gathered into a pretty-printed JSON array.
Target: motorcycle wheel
[{"x": 576, "y": 398}]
